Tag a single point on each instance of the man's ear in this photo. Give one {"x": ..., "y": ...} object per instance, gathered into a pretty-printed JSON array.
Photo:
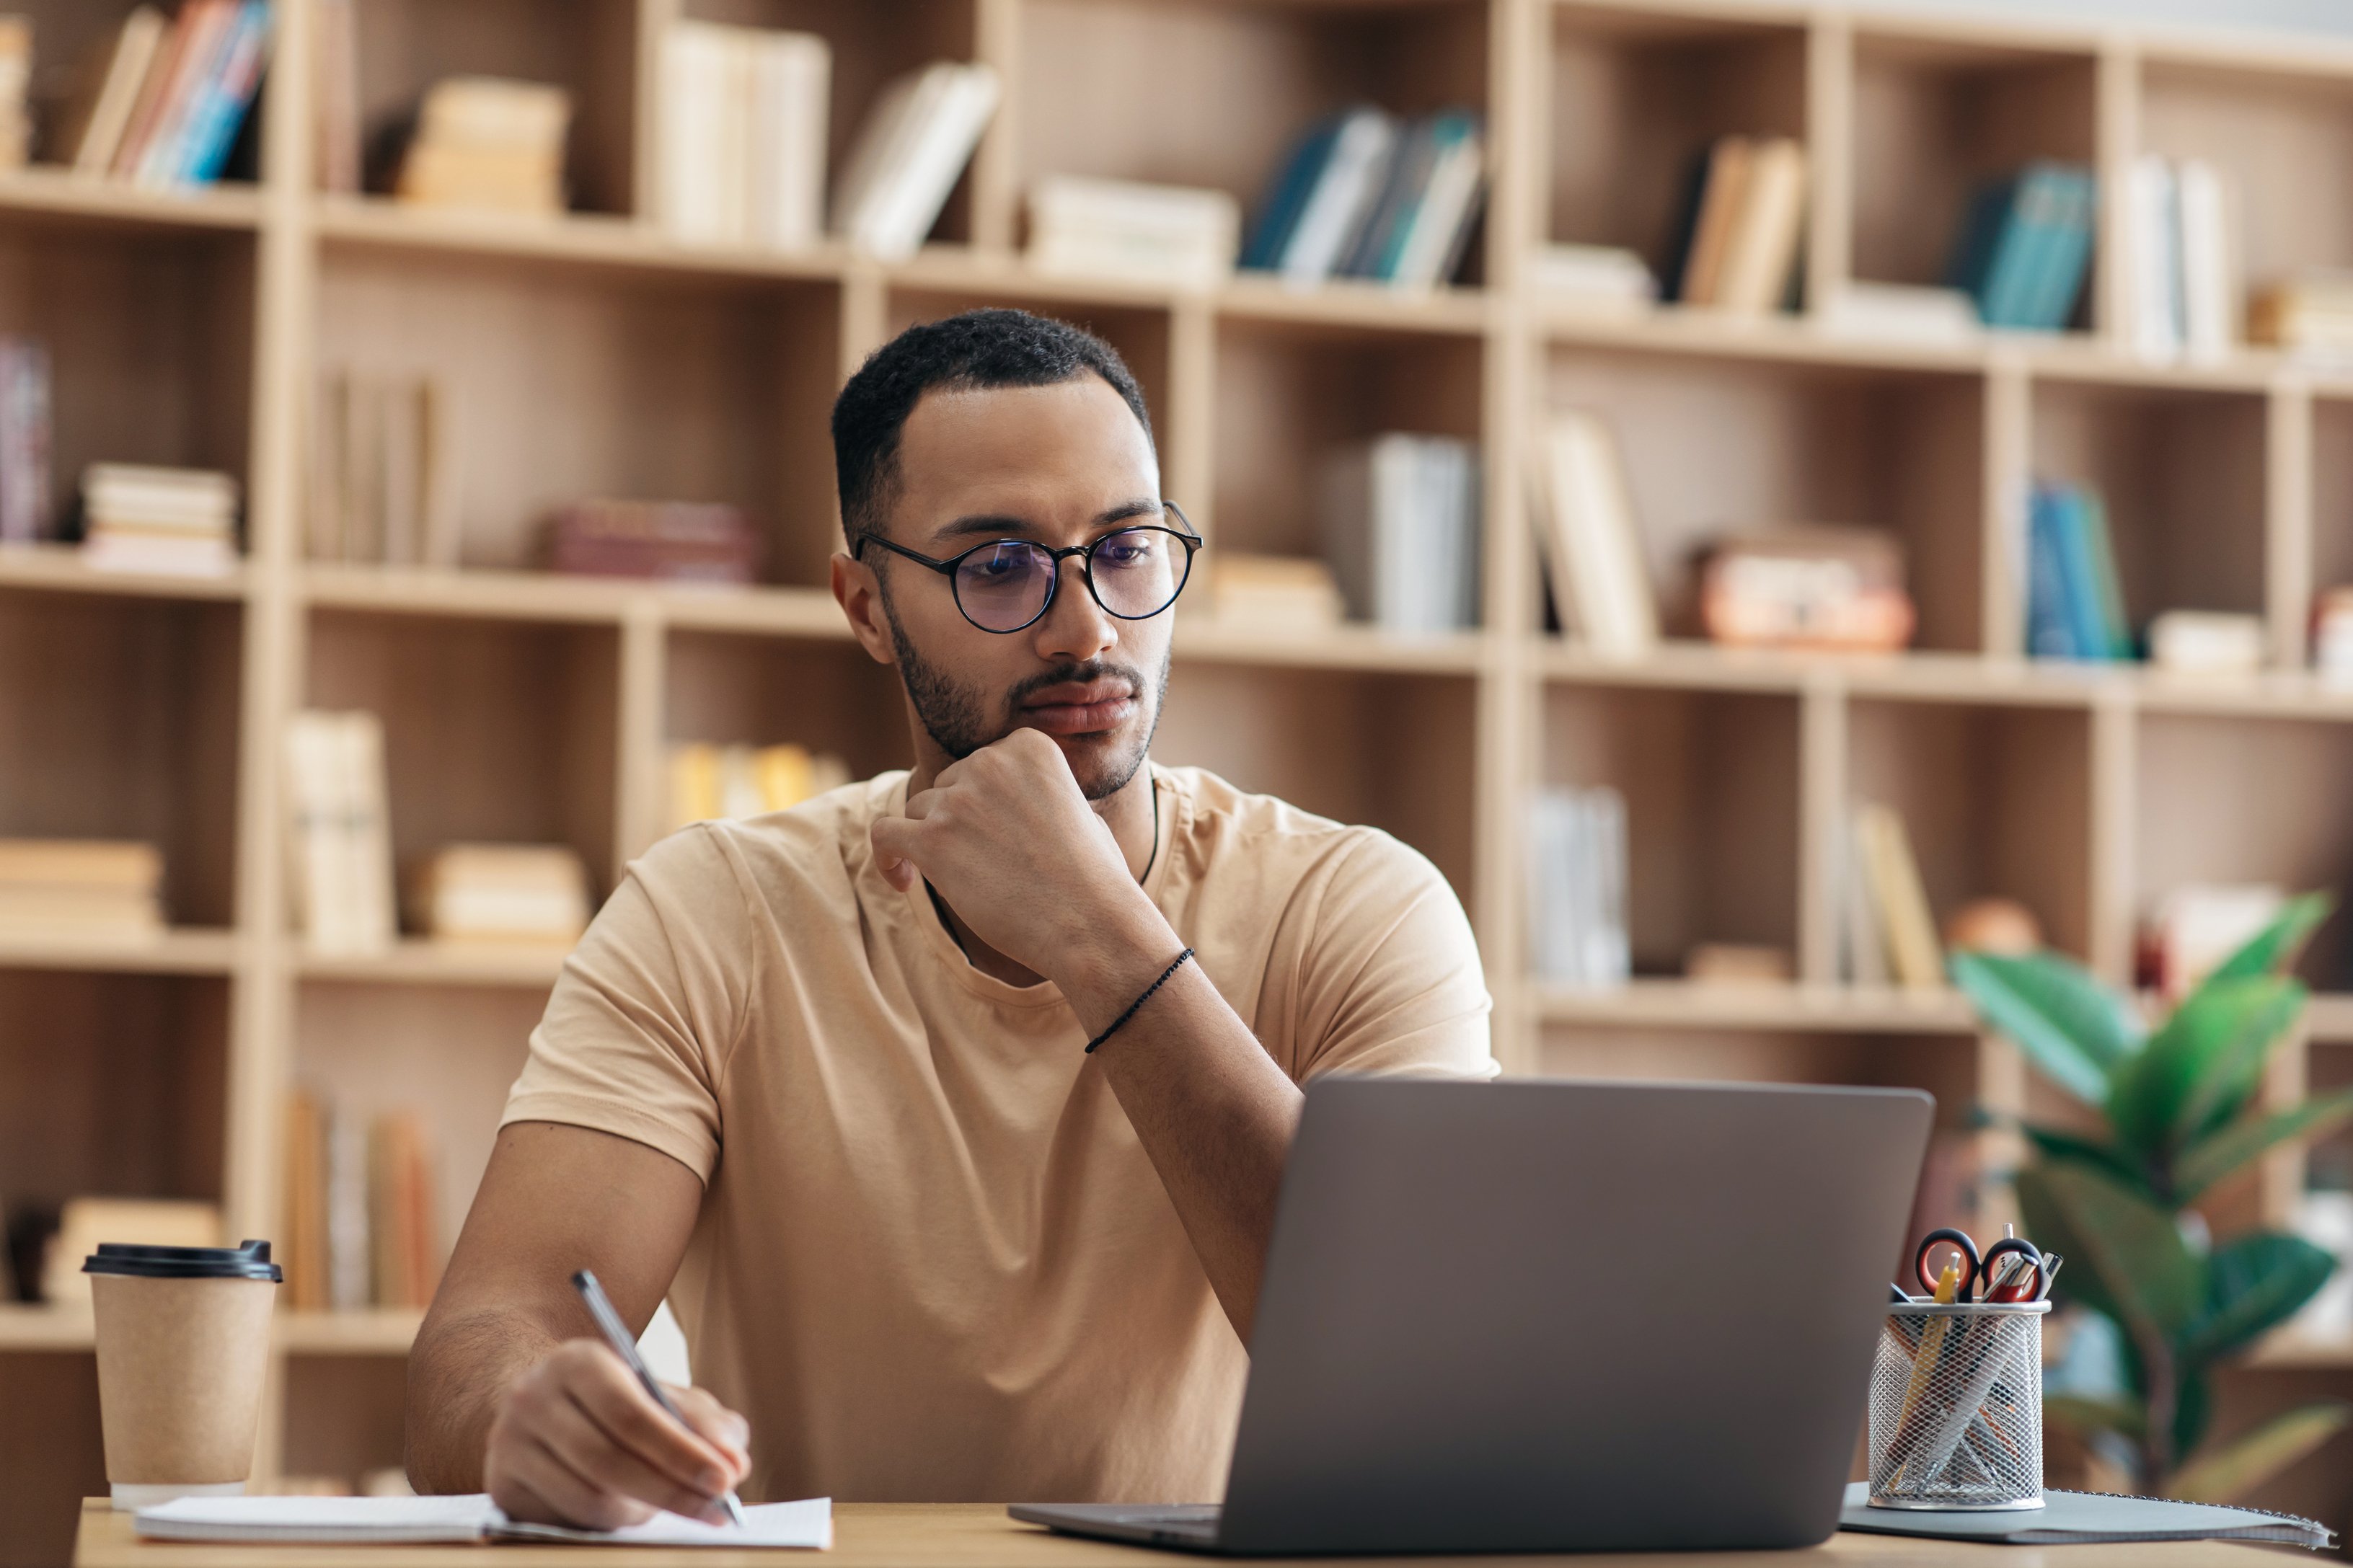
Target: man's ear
[{"x": 859, "y": 593}]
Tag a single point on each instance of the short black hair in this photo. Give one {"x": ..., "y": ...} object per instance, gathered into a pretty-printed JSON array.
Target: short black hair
[{"x": 973, "y": 352}]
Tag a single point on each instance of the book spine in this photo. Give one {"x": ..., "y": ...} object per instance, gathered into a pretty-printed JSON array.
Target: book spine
[
  {"x": 232, "y": 94},
  {"x": 2048, "y": 635}
]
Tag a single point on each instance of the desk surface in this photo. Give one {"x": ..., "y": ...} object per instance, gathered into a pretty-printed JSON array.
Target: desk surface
[{"x": 979, "y": 1535}]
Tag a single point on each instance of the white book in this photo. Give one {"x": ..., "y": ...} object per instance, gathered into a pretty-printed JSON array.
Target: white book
[
  {"x": 384, "y": 1521},
  {"x": 791, "y": 97},
  {"x": 2156, "y": 273},
  {"x": 730, "y": 169},
  {"x": 1552, "y": 824},
  {"x": 1901, "y": 312},
  {"x": 374, "y": 923},
  {"x": 1181, "y": 236},
  {"x": 1435, "y": 239},
  {"x": 1606, "y": 958},
  {"x": 937, "y": 151},
  {"x": 2210, "y": 282},
  {"x": 1593, "y": 549},
  {"x": 1344, "y": 192},
  {"x": 1866, "y": 953},
  {"x": 881, "y": 144},
  {"x": 692, "y": 121},
  {"x": 193, "y": 557},
  {"x": 351, "y": 1255}
]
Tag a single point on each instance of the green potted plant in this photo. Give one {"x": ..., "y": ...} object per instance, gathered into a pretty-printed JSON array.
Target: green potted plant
[{"x": 2178, "y": 1113}]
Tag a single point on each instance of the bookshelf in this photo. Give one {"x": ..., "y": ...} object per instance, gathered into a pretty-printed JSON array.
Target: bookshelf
[{"x": 594, "y": 353}]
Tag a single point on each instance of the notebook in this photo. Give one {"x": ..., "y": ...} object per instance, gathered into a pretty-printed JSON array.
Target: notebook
[
  {"x": 2069, "y": 1517},
  {"x": 396, "y": 1519}
]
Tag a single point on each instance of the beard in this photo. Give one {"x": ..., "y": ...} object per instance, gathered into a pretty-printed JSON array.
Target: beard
[{"x": 961, "y": 720}]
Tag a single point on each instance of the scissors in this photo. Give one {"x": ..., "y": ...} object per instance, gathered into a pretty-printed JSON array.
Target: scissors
[{"x": 1978, "y": 1269}]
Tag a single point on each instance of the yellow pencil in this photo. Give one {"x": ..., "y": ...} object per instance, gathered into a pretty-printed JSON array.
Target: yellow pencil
[{"x": 1932, "y": 1341}]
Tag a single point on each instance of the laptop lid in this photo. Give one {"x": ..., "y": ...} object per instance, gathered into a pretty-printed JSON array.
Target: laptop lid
[{"x": 1555, "y": 1315}]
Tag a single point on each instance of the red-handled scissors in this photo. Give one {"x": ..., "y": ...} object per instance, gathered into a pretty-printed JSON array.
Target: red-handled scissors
[{"x": 2019, "y": 1284}]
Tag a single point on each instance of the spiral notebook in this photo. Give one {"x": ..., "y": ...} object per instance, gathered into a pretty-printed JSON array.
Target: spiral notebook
[
  {"x": 2069, "y": 1517},
  {"x": 358, "y": 1521}
]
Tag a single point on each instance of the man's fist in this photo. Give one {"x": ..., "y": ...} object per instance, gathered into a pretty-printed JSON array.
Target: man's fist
[{"x": 578, "y": 1441}]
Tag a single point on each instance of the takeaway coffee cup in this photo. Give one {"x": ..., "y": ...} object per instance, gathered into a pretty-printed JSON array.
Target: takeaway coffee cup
[{"x": 182, "y": 1349}]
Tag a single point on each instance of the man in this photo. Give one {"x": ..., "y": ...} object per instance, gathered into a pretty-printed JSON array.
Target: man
[{"x": 947, "y": 1108}]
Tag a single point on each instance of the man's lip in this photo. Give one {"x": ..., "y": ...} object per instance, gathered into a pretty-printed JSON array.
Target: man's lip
[{"x": 1080, "y": 694}]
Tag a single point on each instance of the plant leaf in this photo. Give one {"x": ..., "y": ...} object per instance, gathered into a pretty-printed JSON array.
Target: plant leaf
[
  {"x": 2057, "y": 1143},
  {"x": 2216, "y": 1155},
  {"x": 2253, "y": 1283},
  {"x": 2193, "y": 1407},
  {"x": 2081, "y": 1413},
  {"x": 2273, "y": 948},
  {"x": 2232, "y": 1469},
  {"x": 2200, "y": 1063},
  {"x": 2068, "y": 1024},
  {"x": 2148, "y": 1279}
]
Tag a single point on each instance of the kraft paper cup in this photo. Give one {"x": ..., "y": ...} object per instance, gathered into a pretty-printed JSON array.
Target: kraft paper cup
[{"x": 183, "y": 1351}]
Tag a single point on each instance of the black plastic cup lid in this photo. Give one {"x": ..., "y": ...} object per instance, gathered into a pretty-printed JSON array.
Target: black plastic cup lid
[{"x": 250, "y": 1261}]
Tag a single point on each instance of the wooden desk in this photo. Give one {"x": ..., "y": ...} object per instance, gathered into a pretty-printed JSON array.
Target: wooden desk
[{"x": 979, "y": 1535}]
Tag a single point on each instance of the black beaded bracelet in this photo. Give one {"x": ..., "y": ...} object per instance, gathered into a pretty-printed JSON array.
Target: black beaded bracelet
[{"x": 1139, "y": 1002}]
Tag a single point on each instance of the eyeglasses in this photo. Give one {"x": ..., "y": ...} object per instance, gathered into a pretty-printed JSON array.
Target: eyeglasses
[{"x": 1008, "y": 584}]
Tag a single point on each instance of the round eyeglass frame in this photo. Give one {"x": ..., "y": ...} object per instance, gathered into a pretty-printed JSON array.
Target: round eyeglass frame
[{"x": 1185, "y": 536}]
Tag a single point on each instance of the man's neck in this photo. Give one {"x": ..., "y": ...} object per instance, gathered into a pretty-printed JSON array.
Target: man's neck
[{"x": 1130, "y": 813}]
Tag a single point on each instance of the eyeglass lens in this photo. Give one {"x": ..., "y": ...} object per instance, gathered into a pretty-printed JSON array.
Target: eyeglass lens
[{"x": 1134, "y": 572}]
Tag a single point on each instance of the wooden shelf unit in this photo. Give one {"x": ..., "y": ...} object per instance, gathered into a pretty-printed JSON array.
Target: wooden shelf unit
[{"x": 594, "y": 353}]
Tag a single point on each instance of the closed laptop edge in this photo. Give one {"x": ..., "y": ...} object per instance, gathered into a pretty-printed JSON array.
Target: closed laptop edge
[{"x": 1550, "y": 1315}]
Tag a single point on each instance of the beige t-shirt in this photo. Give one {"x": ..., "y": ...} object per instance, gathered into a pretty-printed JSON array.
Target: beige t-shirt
[{"x": 932, "y": 1262}]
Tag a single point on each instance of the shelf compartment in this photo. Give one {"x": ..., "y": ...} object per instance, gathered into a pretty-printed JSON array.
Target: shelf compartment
[
  {"x": 738, "y": 689},
  {"x": 1935, "y": 118},
  {"x": 2182, "y": 474},
  {"x": 1710, "y": 782},
  {"x": 378, "y": 1330},
  {"x": 112, "y": 1085},
  {"x": 1389, "y": 749},
  {"x": 2277, "y": 137},
  {"x": 344, "y": 1415},
  {"x": 1638, "y": 95},
  {"x": 1996, "y": 801},
  {"x": 1900, "y": 451},
  {"x": 495, "y": 732},
  {"x": 50, "y": 1454},
  {"x": 1288, "y": 395},
  {"x": 649, "y": 386},
  {"x": 133, "y": 723},
  {"x": 587, "y": 49},
  {"x": 1218, "y": 96},
  {"x": 2243, "y": 799}
]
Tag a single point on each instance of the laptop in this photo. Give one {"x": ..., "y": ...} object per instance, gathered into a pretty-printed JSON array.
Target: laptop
[{"x": 1554, "y": 1316}]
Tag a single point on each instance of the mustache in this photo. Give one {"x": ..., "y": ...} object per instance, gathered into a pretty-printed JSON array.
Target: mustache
[{"x": 1067, "y": 674}]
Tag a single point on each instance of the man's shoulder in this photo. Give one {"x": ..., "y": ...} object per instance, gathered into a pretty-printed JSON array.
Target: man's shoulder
[{"x": 822, "y": 842}]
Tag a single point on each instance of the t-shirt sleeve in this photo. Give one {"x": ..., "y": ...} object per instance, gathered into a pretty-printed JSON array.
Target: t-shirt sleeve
[
  {"x": 1390, "y": 981},
  {"x": 648, "y": 1008}
]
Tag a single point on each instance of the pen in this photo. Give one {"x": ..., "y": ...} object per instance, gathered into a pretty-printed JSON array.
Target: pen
[{"x": 616, "y": 1334}]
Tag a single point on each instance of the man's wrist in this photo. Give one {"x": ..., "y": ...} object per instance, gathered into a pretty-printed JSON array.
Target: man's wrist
[{"x": 1112, "y": 960}]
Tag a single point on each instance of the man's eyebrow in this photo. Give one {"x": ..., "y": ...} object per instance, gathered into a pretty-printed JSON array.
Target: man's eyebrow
[{"x": 996, "y": 525}]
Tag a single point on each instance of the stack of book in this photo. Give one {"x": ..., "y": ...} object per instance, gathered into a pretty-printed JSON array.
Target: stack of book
[
  {"x": 2197, "y": 925},
  {"x": 15, "y": 89},
  {"x": 1901, "y": 312},
  {"x": 2206, "y": 642},
  {"x": 671, "y": 542},
  {"x": 529, "y": 893},
  {"x": 1401, "y": 530},
  {"x": 909, "y": 154},
  {"x": 339, "y": 833},
  {"x": 1594, "y": 279},
  {"x": 1891, "y": 933},
  {"x": 1122, "y": 229},
  {"x": 1836, "y": 588},
  {"x": 2025, "y": 247},
  {"x": 1738, "y": 239},
  {"x": 359, "y": 1227},
  {"x": 25, "y": 511},
  {"x": 2075, "y": 600},
  {"x": 1369, "y": 196},
  {"x": 742, "y": 133},
  {"x": 2310, "y": 315},
  {"x": 84, "y": 1223},
  {"x": 1576, "y": 858},
  {"x": 140, "y": 518},
  {"x": 1592, "y": 541},
  {"x": 384, "y": 470},
  {"x": 78, "y": 889},
  {"x": 2185, "y": 289},
  {"x": 1273, "y": 593},
  {"x": 488, "y": 144},
  {"x": 729, "y": 784},
  {"x": 166, "y": 103}
]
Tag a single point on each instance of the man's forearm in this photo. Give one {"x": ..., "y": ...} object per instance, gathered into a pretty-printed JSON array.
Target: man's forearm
[{"x": 459, "y": 1369}]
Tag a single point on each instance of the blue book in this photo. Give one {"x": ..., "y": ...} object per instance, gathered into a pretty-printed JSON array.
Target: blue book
[
  {"x": 1972, "y": 255},
  {"x": 2087, "y": 625},
  {"x": 2015, "y": 285},
  {"x": 2047, "y": 632},
  {"x": 2067, "y": 251},
  {"x": 1300, "y": 177},
  {"x": 1439, "y": 136},
  {"x": 2108, "y": 584},
  {"x": 1407, "y": 177},
  {"x": 227, "y": 91}
]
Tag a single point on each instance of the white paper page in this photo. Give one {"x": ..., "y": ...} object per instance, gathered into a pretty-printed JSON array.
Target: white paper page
[
  {"x": 806, "y": 1524},
  {"x": 459, "y": 1517}
]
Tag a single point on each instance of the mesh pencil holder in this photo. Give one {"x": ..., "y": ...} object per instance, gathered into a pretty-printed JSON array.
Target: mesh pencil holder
[{"x": 1957, "y": 1407}]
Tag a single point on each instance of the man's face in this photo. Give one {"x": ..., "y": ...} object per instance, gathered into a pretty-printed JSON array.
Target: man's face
[{"x": 1056, "y": 466}]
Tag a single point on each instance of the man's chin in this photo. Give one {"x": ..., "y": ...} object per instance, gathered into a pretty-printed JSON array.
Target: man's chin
[{"x": 1102, "y": 761}]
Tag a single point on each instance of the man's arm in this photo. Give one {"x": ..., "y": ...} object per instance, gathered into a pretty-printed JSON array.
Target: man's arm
[
  {"x": 1010, "y": 842},
  {"x": 509, "y": 1390}
]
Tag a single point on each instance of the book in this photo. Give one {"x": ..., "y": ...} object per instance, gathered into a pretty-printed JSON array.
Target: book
[
  {"x": 2155, "y": 231},
  {"x": 1901, "y": 312},
  {"x": 1721, "y": 189},
  {"x": 218, "y": 107},
  {"x": 729, "y": 784},
  {"x": 1576, "y": 863},
  {"x": 408, "y": 1258},
  {"x": 674, "y": 542},
  {"x": 1363, "y": 194},
  {"x": 2025, "y": 247},
  {"x": 1346, "y": 183},
  {"x": 384, "y": 478},
  {"x": 90, "y": 129},
  {"x": 1438, "y": 208},
  {"x": 1808, "y": 587},
  {"x": 81, "y": 889},
  {"x": 1907, "y": 927},
  {"x": 1760, "y": 247},
  {"x": 1399, "y": 517},
  {"x": 489, "y": 145},
  {"x": 501, "y": 893},
  {"x": 358, "y": 1228},
  {"x": 137, "y": 518},
  {"x": 339, "y": 833},
  {"x": 2210, "y": 267},
  {"x": 197, "y": 32},
  {"x": 741, "y": 131},
  {"x": 26, "y": 507},
  {"x": 337, "y": 150},
  {"x": 387, "y": 1521},
  {"x": 909, "y": 154},
  {"x": 2069, "y": 1518},
  {"x": 85, "y": 1222},
  {"x": 2206, "y": 642},
  {"x": 2310, "y": 315},
  {"x": 1175, "y": 235},
  {"x": 351, "y": 1251},
  {"x": 2074, "y": 605},
  {"x": 1592, "y": 539},
  {"x": 1280, "y": 593},
  {"x": 1606, "y": 279},
  {"x": 16, "y": 88},
  {"x": 1864, "y": 947}
]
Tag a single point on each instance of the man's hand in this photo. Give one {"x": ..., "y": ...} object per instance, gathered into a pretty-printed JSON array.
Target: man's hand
[
  {"x": 1008, "y": 839},
  {"x": 578, "y": 1441}
]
